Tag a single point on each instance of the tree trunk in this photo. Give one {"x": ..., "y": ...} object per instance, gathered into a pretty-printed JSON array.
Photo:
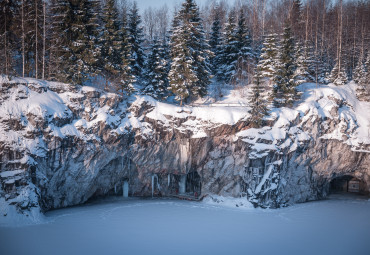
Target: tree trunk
[
  {"x": 36, "y": 38},
  {"x": 23, "y": 38},
  {"x": 340, "y": 29},
  {"x": 44, "y": 42},
  {"x": 5, "y": 44}
]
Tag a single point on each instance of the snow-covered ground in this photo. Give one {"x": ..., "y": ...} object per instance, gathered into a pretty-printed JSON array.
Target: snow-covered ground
[{"x": 116, "y": 226}]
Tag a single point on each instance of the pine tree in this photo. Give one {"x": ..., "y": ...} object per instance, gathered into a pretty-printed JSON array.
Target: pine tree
[
  {"x": 258, "y": 100},
  {"x": 157, "y": 71},
  {"x": 190, "y": 73},
  {"x": 285, "y": 87},
  {"x": 136, "y": 39}
]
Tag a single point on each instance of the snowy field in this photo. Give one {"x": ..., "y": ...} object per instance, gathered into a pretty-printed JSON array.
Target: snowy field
[{"x": 165, "y": 226}]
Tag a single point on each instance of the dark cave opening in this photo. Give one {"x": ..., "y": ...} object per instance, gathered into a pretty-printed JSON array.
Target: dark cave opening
[
  {"x": 348, "y": 184},
  {"x": 193, "y": 184}
]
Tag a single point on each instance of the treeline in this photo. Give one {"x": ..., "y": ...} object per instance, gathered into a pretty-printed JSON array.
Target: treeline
[{"x": 278, "y": 43}]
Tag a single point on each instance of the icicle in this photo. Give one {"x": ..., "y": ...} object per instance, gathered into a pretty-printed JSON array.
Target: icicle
[
  {"x": 169, "y": 180},
  {"x": 152, "y": 185}
]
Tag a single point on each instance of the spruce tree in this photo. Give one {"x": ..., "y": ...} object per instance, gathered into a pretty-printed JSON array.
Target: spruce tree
[
  {"x": 285, "y": 88},
  {"x": 323, "y": 69},
  {"x": 111, "y": 59},
  {"x": 359, "y": 73},
  {"x": 55, "y": 18},
  {"x": 338, "y": 74},
  {"x": 79, "y": 57},
  {"x": 363, "y": 89},
  {"x": 33, "y": 26},
  {"x": 258, "y": 100},
  {"x": 367, "y": 75},
  {"x": 230, "y": 49},
  {"x": 296, "y": 21},
  {"x": 245, "y": 57},
  {"x": 157, "y": 71},
  {"x": 304, "y": 65},
  {"x": 136, "y": 39},
  {"x": 268, "y": 59},
  {"x": 7, "y": 37},
  {"x": 215, "y": 41},
  {"x": 189, "y": 75},
  {"x": 127, "y": 77}
]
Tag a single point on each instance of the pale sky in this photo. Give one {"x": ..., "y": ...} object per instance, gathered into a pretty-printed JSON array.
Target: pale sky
[{"x": 143, "y": 4}]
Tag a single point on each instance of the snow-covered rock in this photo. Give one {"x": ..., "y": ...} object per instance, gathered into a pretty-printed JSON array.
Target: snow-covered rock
[{"x": 61, "y": 145}]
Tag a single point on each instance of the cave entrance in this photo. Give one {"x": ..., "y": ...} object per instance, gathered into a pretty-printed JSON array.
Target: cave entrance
[
  {"x": 347, "y": 184},
  {"x": 193, "y": 184}
]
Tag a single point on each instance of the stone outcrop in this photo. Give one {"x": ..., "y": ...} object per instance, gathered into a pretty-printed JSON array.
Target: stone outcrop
[{"x": 62, "y": 145}]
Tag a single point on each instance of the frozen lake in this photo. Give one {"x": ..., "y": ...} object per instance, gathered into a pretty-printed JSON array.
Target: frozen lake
[{"x": 165, "y": 226}]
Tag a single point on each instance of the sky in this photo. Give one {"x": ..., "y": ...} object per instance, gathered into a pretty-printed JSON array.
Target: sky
[{"x": 143, "y": 4}]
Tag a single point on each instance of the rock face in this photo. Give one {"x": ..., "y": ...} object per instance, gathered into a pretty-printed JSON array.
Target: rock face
[{"x": 61, "y": 145}]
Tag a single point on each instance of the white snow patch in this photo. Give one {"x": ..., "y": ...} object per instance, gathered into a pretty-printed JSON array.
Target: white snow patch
[{"x": 231, "y": 202}]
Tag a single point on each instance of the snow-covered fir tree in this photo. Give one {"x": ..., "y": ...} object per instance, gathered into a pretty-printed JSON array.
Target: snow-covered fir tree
[
  {"x": 230, "y": 50},
  {"x": 7, "y": 42},
  {"x": 258, "y": 100},
  {"x": 157, "y": 71},
  {"x": 359, "y": 73},
  {"x": 285, "y": 88},
  {"x": 304, "y": 63},
  {"x": 323, "y": 69},
  {"x": 55, "y": 19},
  {"x": 136, "y": 39},
  {"x": 126, "y": 76},
  {"x": 215, "y": 41},
  {"x": 268, "y": 58},
  {"x": 111, "y": 58},
  {"x": 189, "y": 75},
  {"x": 367, "y": 68},
  {"x": 80, "y": 55},
  {"x": 245, "y": 59},
  {"x": 362, "y": 76},
  {"x": 338, "y": 74},
  {"x": 33, "y": 43}
]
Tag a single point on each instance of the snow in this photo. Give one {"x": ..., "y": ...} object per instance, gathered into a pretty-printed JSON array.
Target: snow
[
  {"x": 10, "y": 173},
  {"x": 332, "y": 102},
  {"x": 228, "y": 202},
  {"x": 264, "y": 179},
  {"x": 159, "y": 226},
  {"x": 48, "y": 107},
  {"x": 214, "y": 114}
]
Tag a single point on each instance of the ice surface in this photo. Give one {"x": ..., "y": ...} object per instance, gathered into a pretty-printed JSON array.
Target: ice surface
[{"x": 163, "y": 227}]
